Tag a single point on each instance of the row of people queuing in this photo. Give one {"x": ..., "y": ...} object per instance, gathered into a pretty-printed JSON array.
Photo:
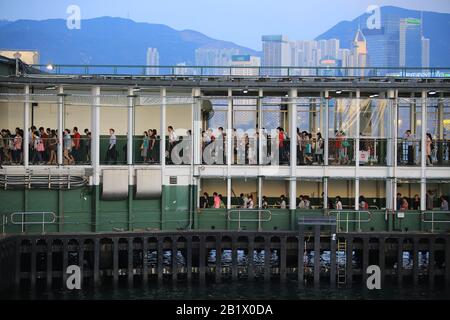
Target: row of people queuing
[
  {"x": 309, "y": 149},
  {"x": 247, "y": 201},
  {"x": 43, "y": 145},
  {"x": 403, "y": 203}
]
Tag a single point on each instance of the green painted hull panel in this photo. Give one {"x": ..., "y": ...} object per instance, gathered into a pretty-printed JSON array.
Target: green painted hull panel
[{"x": 83, "y": 210}]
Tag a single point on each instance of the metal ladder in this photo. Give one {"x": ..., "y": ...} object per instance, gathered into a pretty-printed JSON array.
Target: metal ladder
[{"x": 341, "y": 269}]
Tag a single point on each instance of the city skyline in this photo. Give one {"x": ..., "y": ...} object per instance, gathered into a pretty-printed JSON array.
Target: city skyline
[{"x": 299, "y": 23}]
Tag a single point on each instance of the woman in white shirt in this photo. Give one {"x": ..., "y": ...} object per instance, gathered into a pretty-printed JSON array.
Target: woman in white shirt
[
  {"x": 250, "y": 204},
  {"x": 338, "y": 203}
]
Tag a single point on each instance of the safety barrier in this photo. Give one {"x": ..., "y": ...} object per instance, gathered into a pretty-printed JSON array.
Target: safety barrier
[
  {"x": 24, "y": 223},
  {"x": 260, "y": 218},
  {"x": 433, "y": 221},
  {"x": 346, "y": 220}
]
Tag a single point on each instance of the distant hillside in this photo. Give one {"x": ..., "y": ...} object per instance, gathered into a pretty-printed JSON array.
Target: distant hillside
[
  {"x": 106, "y": 40},
  {"x": 436, "y": 27}
]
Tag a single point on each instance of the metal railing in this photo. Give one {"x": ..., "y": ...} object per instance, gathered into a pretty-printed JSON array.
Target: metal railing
[
  {"x": 260, "y": 218},
  {"x": 241, "y": 71},
  {"x": 24, "y": 223},
  {"x": 346, "y": 220},
  {"x": 433, "y": 221}
]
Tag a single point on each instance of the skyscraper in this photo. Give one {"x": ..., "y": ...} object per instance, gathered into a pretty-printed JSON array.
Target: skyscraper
[
  {"x": 410, "y": 38},
  {"x": 245, "y": 60},
  {"x": 332, "y": 47},
  {"x": 215, "y": 57},
  {"x": 425, "y": 52},
  {"x": 383, "y": 43},
  {"x": 152, "y": 60},
  {"x": 358, "y": 57},
  {"x": 276, "y": 53}
]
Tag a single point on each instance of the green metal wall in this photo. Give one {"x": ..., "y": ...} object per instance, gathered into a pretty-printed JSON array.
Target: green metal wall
[{"x": 83, "y": 210}]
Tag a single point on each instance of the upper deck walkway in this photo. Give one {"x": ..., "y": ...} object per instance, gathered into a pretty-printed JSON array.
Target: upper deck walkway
[{"x": 238, "y": 76}]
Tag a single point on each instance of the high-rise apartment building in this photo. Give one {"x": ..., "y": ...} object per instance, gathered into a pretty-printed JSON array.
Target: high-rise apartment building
[
  {"x": 410, "y": 43},
  {"x": 276, "y": 53},
  {"x": 246, "y": 64},
  {"x": 152, "y": 60}
]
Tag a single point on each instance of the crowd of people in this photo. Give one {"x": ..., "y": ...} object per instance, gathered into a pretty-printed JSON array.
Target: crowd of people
[
  {"x": 409, "y": 149},
  {"x": 404, "y": 203},
  {"x": 247, "y": 201},
  {"x": 43, "y": 146}
]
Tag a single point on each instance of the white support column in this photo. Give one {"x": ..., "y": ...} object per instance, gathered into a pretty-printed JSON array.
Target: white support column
[
  {"x": 163, "y": 93},
  {"x": 60, "y": 125},
  {"x": 423, "y": 185},
  {"x": 390, "y": 128},
  {"x": 441, "y": 116},
  {"x": 356, "y": 150},
  {"x": 260, "y": 125},
  {"x": 26, "y": 127},
  {"x": 130, "y": 131},
  {"x": 393, "y": 195},
  {"x": 260, "y": 195},
  {"x": 95, "y": 134},
  {"x": 229, "y": 193},
  {"x": 197, "y": 126},
  {"x": 229, "y": 145},
  {"x": 293, "y": 145},
  {"x": 326, "y": 129},
  {"x": 325, "y": 193},
  {"x": 229, "y": 128}
]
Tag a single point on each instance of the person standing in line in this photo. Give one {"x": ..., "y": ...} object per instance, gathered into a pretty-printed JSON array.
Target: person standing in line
[
  {"x": 17, "y": 147},
  {"x": 301, "y": 203},
  {"x": 409, "y": 142},
  {"x": 363, "y": 204},
  {"x": 39, "y": 148},
  {"x": 87, "y": 145},
  {"x": 250, "y": 204},
  {"x": 44, "y": 137},
  {"x": 318, "y": 148},
  {"x": 204, "y": 201},
  {"x": 429, "y": 144},
  {"x": 31, "y": 150},
  {"x": 399, "y": 201},
  {"x": 338, "y": 203},
  {"x": 222, "y": 204},
  {"x": 156, "y": 146},
  {"x": 405, "y": 204},
  {"x": 216, "y": 201},
  {"x": 444, "y": 204},
  {"x": 282, "y": 202},
  {"x": 52, "y": 144},
  {"x": 307, "y": 202},
  {"x": 416, "y": 202},
  {"x": 144, "y": 147},
  {"x": 265, "y": 204},
  {"x": 111, "y": 154},
  {"x": 173, "y": 138},
  {"x": 76, "y": 145},
  {"x": 430, "y": 199},
  {"x": 67, "y": 144}
]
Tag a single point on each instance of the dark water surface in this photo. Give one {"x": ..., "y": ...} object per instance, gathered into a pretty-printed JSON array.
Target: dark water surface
[{"x": 235, "y": 290}]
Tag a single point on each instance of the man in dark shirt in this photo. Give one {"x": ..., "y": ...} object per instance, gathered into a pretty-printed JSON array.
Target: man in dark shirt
[{"x": 76, "y": 144}]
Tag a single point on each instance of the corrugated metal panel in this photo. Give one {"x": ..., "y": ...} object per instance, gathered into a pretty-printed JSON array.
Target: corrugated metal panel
[
  {"x": 148, "y": 183},
  {"x": 115, "y": 184}
]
